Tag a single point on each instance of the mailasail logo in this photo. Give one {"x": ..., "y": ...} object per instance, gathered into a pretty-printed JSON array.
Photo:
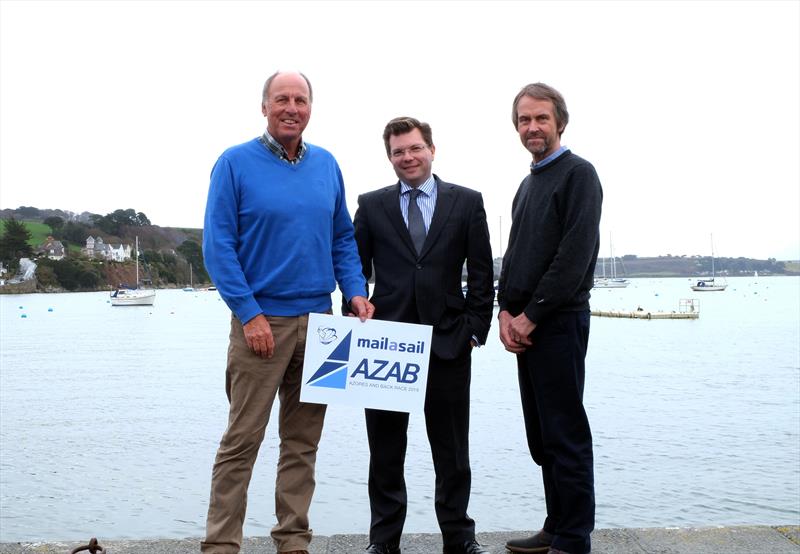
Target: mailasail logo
[{"x": 333, "y": 371}]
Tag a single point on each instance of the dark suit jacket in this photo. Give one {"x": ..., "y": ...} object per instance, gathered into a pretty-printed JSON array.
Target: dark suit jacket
[{"x": 427, "y": 288}]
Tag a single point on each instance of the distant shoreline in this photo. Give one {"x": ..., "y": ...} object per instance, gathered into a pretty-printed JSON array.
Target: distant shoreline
[{"x": 30, "y": 287}]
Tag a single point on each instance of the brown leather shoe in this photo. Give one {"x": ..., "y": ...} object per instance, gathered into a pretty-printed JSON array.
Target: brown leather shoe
[{"x": 540, "y": 542}]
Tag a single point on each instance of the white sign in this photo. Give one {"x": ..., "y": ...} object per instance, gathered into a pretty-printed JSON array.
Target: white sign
[{"x": 369, "y": 364}]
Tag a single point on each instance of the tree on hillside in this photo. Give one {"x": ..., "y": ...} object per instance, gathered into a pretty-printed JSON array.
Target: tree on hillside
[
  {"x": 193, "y": 253},
  {"x": 114, "y": 222},
  {"x": 28, "y": 212},
  {"x": 14, "y": 241},
  {"x": 75, "y": 232},
  {"x": 86, "y": 217},
  {"x": 55, "y": 223}
]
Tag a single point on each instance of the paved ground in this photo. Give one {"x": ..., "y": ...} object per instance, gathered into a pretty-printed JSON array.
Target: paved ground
[{"x": 700, "y": 540}]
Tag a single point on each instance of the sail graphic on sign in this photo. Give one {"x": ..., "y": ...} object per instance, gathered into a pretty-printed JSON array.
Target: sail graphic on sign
[{"x": 333, "y": 371}]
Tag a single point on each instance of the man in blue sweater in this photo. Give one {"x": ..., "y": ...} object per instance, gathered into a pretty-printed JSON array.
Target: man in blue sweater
[
  {"x": 544, "y": 316},
  {"x": 277, "y": 239}
]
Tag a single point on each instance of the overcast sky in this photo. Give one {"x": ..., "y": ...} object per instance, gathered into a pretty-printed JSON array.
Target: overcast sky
[{"x": 688, "y": 110}]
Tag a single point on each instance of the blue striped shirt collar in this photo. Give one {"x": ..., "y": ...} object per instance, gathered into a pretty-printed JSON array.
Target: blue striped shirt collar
[
  {"x": 426, "y": 201},
  {"x": 548, "y": 159},
  {"x": 277, "y": 148},
  {"x": 426, "y": 188}
]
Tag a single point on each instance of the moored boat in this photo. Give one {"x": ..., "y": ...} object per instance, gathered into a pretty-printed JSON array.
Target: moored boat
[
  {"x": 612, "y": 282},
  {"x": 133, "y": 296},
  {"x": 710, "y": 284}
]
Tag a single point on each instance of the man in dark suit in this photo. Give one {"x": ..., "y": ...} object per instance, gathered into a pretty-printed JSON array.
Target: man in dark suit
[{"x": 417, "y": 234}]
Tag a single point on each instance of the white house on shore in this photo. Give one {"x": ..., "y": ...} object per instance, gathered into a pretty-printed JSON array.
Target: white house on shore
[{"x": 96, "y": 248}]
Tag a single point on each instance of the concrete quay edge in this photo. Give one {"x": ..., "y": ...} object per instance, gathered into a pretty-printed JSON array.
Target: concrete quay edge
[{"x": 752, "y": 539}]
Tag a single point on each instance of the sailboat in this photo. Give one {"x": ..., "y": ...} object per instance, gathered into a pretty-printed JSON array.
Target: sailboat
[
  {"x": 127, "y": 296},
  {"x": 712, "y": 284},
  {"x": 190, "y": 288},
  {"x": 613, "y": 282}
]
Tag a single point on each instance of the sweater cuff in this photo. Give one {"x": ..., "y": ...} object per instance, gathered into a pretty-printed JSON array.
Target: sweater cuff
[
  {"x": 349, "y": 290},
  {"x": 535, "y": 312},
  {"x": 247, "y": 309},
  {"x": 350, "y": 293}
]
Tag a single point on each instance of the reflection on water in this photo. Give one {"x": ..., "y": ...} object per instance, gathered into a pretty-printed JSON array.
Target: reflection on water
[{"x": 110, "y": 419}]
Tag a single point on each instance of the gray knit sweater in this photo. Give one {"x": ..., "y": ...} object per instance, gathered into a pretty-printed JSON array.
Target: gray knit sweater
[{"x": 555, "y": 236}]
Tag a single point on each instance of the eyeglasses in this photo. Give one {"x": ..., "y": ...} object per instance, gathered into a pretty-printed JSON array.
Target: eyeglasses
[{"x": 400, "y": 152}]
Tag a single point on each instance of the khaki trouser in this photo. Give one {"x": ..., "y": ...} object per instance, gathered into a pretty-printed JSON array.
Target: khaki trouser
[{"x": 251, "y": 384}]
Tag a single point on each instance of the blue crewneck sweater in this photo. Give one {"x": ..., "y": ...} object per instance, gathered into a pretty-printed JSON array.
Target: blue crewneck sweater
[{"x": 278, "y": 236}]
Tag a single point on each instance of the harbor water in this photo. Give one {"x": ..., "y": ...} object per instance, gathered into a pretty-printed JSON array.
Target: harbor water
[{"x": 110, "y": 418}]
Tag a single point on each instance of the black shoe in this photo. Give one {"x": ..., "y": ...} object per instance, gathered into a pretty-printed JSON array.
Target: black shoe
[
  {"x": 540, "y": 542},
  {"x": 382, "y": 548},
  {"x": 469, "y": 547}
]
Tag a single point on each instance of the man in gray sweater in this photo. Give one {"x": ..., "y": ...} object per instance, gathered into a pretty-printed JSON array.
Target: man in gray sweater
[{"x": 543, "y": 293}]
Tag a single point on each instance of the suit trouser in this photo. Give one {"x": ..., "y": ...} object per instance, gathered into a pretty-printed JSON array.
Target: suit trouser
[
  {"x": 251, "y": 383},
  {"x": 551, "y": 378},
  {"x": 447, "y": 424}
]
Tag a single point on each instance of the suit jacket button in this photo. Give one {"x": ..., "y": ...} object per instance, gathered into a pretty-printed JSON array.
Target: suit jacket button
[{"x": 419, "y": 266}]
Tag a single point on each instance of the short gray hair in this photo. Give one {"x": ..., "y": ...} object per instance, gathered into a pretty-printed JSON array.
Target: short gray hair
[{"x": 268, "y": 82}]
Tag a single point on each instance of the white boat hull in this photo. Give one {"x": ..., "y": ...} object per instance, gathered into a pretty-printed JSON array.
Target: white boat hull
[
  {"x": 708, "y": 285},
  {"x": 133, "y": 297},
  {"x": 610, "y": 284},
  {"x": 709, "y": 288}
]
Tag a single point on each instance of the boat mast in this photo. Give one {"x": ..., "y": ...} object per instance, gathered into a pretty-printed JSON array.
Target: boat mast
[
  {"x": 137, "y": 261},
  {"x": 613, "y": 260},
  {"x": 712, "y": 257},
  {"x": 604, "y": 267}
]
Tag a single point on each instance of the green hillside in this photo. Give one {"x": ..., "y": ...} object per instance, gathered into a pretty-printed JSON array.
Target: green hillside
[{"x": 39, "y": 231}]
